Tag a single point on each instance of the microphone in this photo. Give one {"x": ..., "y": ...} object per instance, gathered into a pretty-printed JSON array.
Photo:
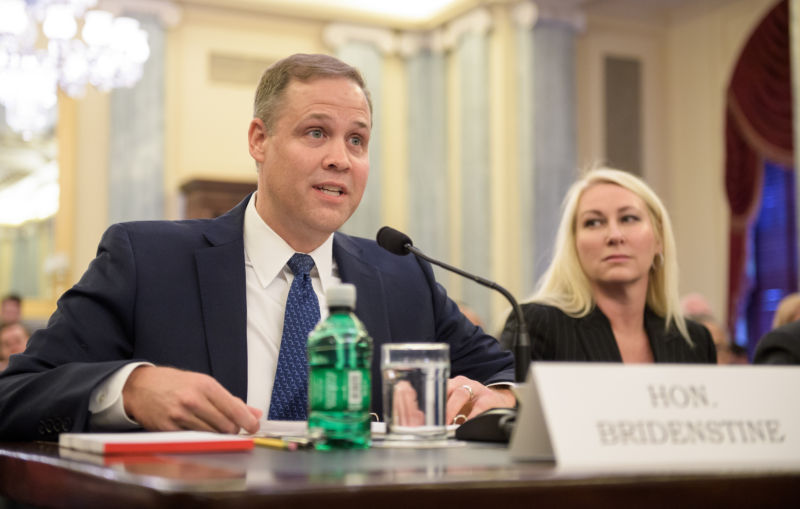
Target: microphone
[{"x": 400, "y": 244}]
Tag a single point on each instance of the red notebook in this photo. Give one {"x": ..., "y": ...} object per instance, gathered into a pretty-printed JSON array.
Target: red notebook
[{"x": 145, "y": 442}]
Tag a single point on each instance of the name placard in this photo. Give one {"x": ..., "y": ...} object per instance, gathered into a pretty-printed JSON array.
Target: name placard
[{"x": 660, "y": 417}]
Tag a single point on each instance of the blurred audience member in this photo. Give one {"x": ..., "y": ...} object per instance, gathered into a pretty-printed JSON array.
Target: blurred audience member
[
  {"x": 780, "y": 345},
  {"x": 728, "y": 352},
  {"x": 471, "y": 314},
  {"x": 739, "y": 353},
  {"x": 788, "y": 310},
  {"x": 13, "y": 339},
  {"x": 11, "y": 308},
  {"x": 695, "y": 304},
  {"x": 11, "y": 312}
]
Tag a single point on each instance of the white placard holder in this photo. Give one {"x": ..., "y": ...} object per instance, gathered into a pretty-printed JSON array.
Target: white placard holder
[{"x": 615, "y": 417}]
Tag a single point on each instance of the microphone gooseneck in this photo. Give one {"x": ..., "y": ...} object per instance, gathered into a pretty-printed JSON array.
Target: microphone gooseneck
[{"x": 400, "y": 244}]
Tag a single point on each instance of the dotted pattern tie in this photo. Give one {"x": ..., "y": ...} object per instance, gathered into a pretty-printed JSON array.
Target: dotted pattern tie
[{"x": 290, "y": 390}]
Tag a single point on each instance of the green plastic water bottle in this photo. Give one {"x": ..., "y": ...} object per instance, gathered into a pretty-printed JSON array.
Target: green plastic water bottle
[{"x": 339, "y": 386}]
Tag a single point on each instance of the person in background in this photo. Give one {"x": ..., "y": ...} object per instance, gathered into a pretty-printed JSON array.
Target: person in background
[
  {"x": 13, "y": 339},
  {"x": 11, "y": 309},
  {"x": 178, "y": 324},
  {"x": 728, "y": 352},
  {"x": 11, "y": 312},
  {"x": 471, "y": 314},
  {"x": 610, "y": 293},
  {"x": 788, "y": 310},
  {"x": 696, "y": 307},
  {"x": 695, "y": 304},
  {"x": 781, "y": 345}
]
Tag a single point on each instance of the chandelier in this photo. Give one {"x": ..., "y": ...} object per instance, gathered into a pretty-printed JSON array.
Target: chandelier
[{"x": 41, "y": 51}]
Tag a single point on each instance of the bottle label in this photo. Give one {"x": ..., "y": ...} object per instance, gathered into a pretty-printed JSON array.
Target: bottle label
[
  {"x": 339, "y": 390},
  {"x": 354, "y": 393}
]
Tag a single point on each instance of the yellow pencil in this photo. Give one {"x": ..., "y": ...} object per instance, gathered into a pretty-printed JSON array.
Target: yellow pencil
[{"x": 275, "y": 443}]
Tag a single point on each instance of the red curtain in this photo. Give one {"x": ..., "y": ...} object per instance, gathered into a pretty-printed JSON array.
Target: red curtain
[{"x": 758, "y": 126}]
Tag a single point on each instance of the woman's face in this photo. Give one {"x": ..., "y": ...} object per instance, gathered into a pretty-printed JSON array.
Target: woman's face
[{"x": 614, "y": 236}]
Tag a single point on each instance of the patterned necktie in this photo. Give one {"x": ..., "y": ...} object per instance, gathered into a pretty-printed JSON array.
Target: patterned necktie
[{"x": 290, "y": 391}]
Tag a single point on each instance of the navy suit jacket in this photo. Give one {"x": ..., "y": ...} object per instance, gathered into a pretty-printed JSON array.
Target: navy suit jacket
[{"x": 173, "y": 293}]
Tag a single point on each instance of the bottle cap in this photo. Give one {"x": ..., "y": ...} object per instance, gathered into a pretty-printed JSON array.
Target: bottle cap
[{"x": 343, "y": 295}]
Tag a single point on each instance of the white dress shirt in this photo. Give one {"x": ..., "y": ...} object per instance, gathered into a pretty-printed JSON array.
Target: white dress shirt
[{"x": 268, "y": 279}]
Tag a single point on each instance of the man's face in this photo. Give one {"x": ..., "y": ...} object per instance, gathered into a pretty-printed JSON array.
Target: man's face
[
  {"x": 9, "y": 311},
  {"x": 313, "y": 166},
  {"x": 13, "y": 339}
]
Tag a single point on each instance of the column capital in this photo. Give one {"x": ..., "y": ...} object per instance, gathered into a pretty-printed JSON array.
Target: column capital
[
  {"x": 477, "y": 21},
  {"x": 529, "y": 13},
  {"x": 337, "y": 35},
  {"x": 411, "y": 43}
]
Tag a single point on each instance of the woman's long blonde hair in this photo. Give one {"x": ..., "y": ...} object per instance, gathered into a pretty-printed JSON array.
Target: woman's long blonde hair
[{"x": 565, "y": 285}]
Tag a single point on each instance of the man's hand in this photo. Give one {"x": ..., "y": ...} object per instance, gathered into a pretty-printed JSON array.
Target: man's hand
[
  {"x": 168, "y": 399},
  {"x": 478, "y": 398}
]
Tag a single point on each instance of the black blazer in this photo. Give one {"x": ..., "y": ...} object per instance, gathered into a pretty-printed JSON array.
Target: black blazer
[
  {"x": 556, "y": 336},
  {"x": 173, "y": 293},
  {"x": 779, "y": 346}
]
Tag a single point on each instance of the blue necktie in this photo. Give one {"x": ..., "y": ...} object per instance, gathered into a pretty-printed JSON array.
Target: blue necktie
[{"x": 290, "y": 391}]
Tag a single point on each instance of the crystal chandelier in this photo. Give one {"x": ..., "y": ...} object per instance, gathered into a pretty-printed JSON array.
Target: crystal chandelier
[{"x": 40, "y": 51}]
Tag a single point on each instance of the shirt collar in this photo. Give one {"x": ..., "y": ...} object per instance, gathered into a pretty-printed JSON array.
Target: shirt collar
[{"x": 268, "y": 252}]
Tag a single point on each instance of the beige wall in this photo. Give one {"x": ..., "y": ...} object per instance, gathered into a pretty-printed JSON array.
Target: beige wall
[
  {"x": 687, "y": 59},
  {"x": 91, "y": 179},
  {"x": 208, "y": 116},
  {"x": 642, "y": 40},
  {"x": 702, "y": 48}
]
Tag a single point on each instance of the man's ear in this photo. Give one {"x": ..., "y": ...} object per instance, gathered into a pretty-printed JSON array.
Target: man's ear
[{"x": 256, "y": 136}]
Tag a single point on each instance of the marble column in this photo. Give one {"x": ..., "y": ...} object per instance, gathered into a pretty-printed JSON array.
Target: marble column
[
  {"x": 548, "y": 134},
  {"x": 136, "y": 139},
  {"x": 470, "y": 49},
  {"x": 364, "y": 48},
  {"x": 428, "y": 206}
]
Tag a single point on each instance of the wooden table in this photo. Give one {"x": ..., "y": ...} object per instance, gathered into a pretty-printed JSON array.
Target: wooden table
[{"x": 474, "y": 475}]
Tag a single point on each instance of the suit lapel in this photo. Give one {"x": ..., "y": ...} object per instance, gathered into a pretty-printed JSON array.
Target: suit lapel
[
  {"x": 662, "y": 342},
  {"x": 370, "y": 296},
  {"x": 597, "y": 338},
  {"x": 221, "y": 278}
]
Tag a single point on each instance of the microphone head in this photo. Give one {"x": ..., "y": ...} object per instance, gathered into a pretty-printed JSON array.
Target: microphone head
[{"x": 393, "y": 241}]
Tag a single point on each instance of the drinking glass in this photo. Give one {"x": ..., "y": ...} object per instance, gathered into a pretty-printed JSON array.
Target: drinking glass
[{"x": 415, "y": 390}]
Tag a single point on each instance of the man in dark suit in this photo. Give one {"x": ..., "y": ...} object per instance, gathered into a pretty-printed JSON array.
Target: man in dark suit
[{"x": 177, "y": 325}]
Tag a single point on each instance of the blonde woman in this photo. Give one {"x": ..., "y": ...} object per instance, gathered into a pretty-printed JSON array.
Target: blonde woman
[{"x": 611, "y": 292}]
